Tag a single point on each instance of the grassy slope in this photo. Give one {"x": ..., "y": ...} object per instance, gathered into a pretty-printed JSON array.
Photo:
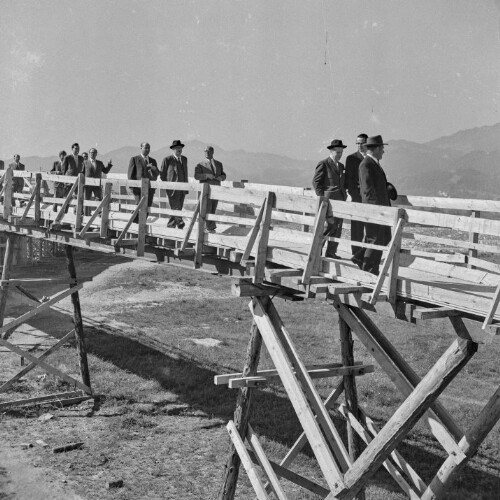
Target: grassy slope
[{"x": 160, "y": 424}]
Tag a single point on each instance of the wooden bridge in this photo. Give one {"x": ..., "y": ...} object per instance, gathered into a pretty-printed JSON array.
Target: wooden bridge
[{"x": 440, "y": 262}]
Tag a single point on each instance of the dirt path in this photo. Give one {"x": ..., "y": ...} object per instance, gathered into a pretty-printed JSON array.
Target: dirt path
[{"x": 19, "y": 480}]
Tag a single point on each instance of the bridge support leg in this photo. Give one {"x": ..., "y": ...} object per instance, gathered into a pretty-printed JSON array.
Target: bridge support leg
[
  {"x": 7, "y": 265},
  {"x": 350, "y": 393},
  {"x": 242, "y": 412},
  {"x": 77, "y": 319}
]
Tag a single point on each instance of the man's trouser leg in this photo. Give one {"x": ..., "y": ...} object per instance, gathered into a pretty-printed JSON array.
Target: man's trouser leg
[
  {"x": 176, "y": 202},
  {"x": 357, "y": 233},
  {"x": 334, "y": 229},
  {"x": 212, "y": 207}
]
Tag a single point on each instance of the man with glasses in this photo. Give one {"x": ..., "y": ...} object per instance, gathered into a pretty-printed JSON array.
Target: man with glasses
[{"x": 352, "y": 187}]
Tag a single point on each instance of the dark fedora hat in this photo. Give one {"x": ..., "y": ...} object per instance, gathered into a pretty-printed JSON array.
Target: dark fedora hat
[
  {"x": 336, "y": 143},
  {"x": 176, "y": 144},
  {"x": 392, "y": 191},
  {"x": 375, "y": 141}
]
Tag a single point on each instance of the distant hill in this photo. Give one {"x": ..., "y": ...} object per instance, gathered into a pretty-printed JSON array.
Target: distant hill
[{"x": 462, "y": 165}]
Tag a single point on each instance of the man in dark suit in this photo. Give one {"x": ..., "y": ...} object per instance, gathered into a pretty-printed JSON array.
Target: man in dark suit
[
  {"x": 72, "y": 165},
  {"x": 374, "y": 190},
  {"x": 329, "y": 181},
  {"x": 352, "y": 187},
  {"x": 57, "y": 170},
  {"x": 174, "y": 169},
  {"x": 17, "y": 182},
  {"x": 94, "y": 169},
  {"x": 141, "y": 167},
  {"x": 210, "y": 171}
]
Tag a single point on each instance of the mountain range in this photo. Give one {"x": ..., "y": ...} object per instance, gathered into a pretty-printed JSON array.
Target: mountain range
[{"x": 462, "y": 165}]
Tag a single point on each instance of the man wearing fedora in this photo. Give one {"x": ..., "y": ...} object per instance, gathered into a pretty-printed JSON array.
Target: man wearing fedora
[
  {"x": 352, "y": 187},
  {"x": 374, "y": 190},
  {"x": 174, "y": 169},
  {"x": 210, "y": 171},
  {"x": 329, "y": 181},
  {"x": 141, "y": 167}
]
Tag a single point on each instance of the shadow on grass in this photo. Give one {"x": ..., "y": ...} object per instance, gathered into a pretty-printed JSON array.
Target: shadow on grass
[{"x": 273, "y": 415}]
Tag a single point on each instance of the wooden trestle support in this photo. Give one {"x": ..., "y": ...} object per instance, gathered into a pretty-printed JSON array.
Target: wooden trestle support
[
  {"x": 276, "y": 234},
  {"x": 81, "y": 389}
]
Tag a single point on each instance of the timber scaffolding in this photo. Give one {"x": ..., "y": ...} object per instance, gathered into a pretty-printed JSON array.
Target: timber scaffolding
[{"x": 272, "y": 237}]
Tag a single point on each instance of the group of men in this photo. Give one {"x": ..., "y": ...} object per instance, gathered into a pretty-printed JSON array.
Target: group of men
[
  {"x": 174, "y": 168},
  {"x": 365, "y": 181}
]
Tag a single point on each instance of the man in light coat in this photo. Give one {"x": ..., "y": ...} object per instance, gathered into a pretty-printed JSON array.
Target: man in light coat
[{"x": 210, "y": 171}]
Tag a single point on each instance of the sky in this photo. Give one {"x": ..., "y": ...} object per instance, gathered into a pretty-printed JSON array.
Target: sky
[{"x": 276, "y": 76}]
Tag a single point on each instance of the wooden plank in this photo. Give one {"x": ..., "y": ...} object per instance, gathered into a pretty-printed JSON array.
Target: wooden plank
[
  {"x": 239, "y": 196},
  {"x": 342, "y": 289},
  {"x": 394, "y": 267},
  {"x": 263, "y": 238},
  {"x": 143, "y": 217},
  {"x": 204, "y": 198},
  {"x": 252, "y": 473},
  {"x": 228, "y": 219},
  {"x": 28, "y": 205},
  {"x": 388, "y": 465},
  {"x": 392, "y": 248},
  {"x": 260, "y": 381},
  {"x": 439, "y": 202},
  {"x": 252, "y": 235},
  {"x": 274, "y": 483},
  {"x": 124, "y": 242},
  {"x": 405, "y": 417},
  {"x": 7, "y": 193},
  {"x": 55, "y": 398},
  {"x": 190, "y": 227},
  {"x": 93, "y": 217},
  {"x": 484, "y": 264},
  {"x": 276, "y": 275},
  {"x": 424, "y": 313},
  {"x": 493, "y": 307},
  {"x": 42, "y": 356},
  {"x": 244, "y": 288},
  {"x": 375, "y": 214},
  {"x": 300, "y": 402},
  {"x": 38, "y": 187},
  {"x": 314, "y": 254}
]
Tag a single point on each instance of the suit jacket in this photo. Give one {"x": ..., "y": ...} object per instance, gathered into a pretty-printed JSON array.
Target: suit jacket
[
  {"x": 70, "y": 167},
  {"x": 57, "y": 167},
  {"x": 16, "y": 166},
  {"x": 2, "y": 165},
  {"x": 137, "y": 168},
  {"x": 352, "y": 175},
  {"x": 98, "y": 171},
  {"x": 18, "y": 183},
  {"x": 172, "y": 170},
  {"x": 204, "y": 167},
  {"x": 373, "y": 183},
  {"x": 329, "y": 180}
]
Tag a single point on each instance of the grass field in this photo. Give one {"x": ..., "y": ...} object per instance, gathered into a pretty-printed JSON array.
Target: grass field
[{"x": 159, "y": 424}]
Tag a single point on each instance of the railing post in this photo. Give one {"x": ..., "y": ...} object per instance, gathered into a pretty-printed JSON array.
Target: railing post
[
  {"x": 108, "y": 186},
  {"x": 38, "y": 197},
  {"x": 262, "y": 243},
  {"x": 204, "y": 197},
  {"x": 394, "y": 269},
  {"x": 473, "y": 238},
  {"x": 143, "y": 217},
  {"x": 7, "y": 194},
  {"x": 79, "y": 203}
]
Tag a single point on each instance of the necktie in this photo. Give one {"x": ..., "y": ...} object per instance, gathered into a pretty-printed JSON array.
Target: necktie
[{"x": 212, "y": 166}]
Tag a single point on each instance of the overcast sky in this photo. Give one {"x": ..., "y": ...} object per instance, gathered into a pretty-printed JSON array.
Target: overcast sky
[{"x": 280, "y": 76}]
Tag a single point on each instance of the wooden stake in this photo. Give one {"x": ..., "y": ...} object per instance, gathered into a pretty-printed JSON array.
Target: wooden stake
[
  {"x": 350, "y": 393},
  {"x": 80, "y": 197},
  {"x": 7, "y": 264},
  {"x": 38, "y": 197},
  {"x": 77, "y": 319},
  {"x": 108, "y": 186},
  {"x": 242, "y": 412},
  {"x": 143, "y": 217},
  {"x": 204, "y": 196},
  {"x": 261, "y": 257}
]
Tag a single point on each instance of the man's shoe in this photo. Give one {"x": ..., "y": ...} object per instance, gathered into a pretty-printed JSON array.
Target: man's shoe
[
  {"x": 181, "y": 225},
  {"x": 333, "y": 256}
]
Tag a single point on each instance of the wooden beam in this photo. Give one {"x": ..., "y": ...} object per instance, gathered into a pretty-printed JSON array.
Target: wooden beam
[
  {"x": 424, "y": 313},
  {"x": 493, "y": 307},
  {"x": 252, "y": 235},
  {"x": 321, "y": 433},
  {"x": 66, "y": 203},
  {"x": 274, "y": 483},
  {"x": 8, "y": 189},
  {"x": 93, "y": 217},
  {"x": 399, "y": 220},
  {"x": 204, "y": 198},
  {"x": 276, "y": 275},
  {"x": 125, "y": 242},
  {"x": 189, "y": 229},
  {"x": 342, "y": 289},
  {"x": 38, "y": 188},
  {"x": 108, "y": 187},
  {"x": 263, "y": 239},
  {"x": 393, "y": 248},
  {"x": 404, "y": 418},
  {"x": 143, "y": 217},
  {"x": 28, "y": 205},
  {"x": 314, "y": 254},
  {"x": 315, "y": 373},
  {"x": 244, "y": 288},
  {"x": 80, "y": 197},
  {"x": 130, "y": 221},
  {"x": 6, "y": 270},
  {"x": 57, "y": 398}
]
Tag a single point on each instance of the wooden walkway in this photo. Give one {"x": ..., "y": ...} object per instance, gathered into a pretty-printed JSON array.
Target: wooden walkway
[{"x": 441, "y": 262}]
